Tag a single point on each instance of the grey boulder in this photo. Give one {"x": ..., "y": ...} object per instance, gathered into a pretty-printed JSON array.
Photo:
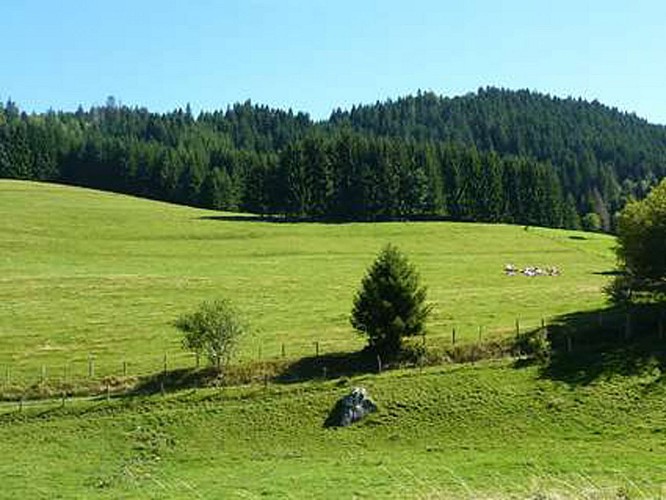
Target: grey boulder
[{"x": 351, "y": 408}]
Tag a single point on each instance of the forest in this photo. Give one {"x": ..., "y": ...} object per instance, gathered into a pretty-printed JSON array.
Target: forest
[{"x": 495, "y": 155}]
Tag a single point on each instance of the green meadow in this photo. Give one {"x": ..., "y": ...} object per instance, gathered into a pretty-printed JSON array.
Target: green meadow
[
  {"x": 97, "y": 276},
  {"x": 93, "y": 275},
  {"x": 490, "y": 430}
]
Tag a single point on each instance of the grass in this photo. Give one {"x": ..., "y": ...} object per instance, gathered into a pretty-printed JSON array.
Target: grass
[
  {"x": 90, "y": 275},
  {"x": 84, "y": 272},
  {"x": 487, "y": 430}
]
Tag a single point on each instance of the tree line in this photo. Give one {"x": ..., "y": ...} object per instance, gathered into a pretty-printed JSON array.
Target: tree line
[{"x": 496, "y": 155}]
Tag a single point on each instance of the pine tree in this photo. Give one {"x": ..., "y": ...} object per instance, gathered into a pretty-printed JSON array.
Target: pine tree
[{"x": 391, "y": 303}]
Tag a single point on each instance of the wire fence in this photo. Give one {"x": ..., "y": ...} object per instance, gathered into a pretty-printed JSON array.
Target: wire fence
[{"x": 97, "y": 374}]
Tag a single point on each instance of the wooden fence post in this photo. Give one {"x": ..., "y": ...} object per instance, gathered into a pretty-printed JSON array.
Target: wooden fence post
[
  {"x": 317, "y": 348},
  {"x": 124, "y": 368},
  {"x": 283, "y": 350},
  {"x": 453, "y": 336},
  {"x": 517, "y": 327}
]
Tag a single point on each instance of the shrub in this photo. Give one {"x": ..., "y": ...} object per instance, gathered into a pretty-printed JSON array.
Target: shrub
[{"x": 212, "y": 330}]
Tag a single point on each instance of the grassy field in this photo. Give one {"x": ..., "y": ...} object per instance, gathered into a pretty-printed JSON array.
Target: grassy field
[
  {"x": 490, "y": 430},
  {"x": 89, "y": 273},
  {"x": 84, "y": 272}
]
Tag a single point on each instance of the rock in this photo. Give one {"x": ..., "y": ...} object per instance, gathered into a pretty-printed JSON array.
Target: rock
[{"x": 351, "y": 408}]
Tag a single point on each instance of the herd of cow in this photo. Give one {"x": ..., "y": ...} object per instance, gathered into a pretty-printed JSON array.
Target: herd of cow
[{"x": 511, "y": 270}]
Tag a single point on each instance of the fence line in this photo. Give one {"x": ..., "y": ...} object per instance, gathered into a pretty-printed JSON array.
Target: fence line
[{"x": 87, "y": 370}]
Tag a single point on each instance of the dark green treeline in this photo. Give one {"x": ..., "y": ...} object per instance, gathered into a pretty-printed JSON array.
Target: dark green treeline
[{"x": 492, "y": 156}]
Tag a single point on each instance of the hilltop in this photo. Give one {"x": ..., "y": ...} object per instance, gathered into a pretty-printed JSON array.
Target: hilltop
[{"x": 495, "y": 156}]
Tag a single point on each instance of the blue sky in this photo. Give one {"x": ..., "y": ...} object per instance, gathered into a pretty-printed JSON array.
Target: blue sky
[{"x": 316, "y": 55}]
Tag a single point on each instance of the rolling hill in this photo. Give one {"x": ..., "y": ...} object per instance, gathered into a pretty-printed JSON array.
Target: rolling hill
[
  {"x": 87, "y": 272},
  {"x": 91, "y": 274}
]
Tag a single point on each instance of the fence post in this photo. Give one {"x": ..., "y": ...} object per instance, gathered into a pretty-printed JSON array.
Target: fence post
[
  {"x": 283, "y": 351},
  {"x": 480, "y": 332},
  {"x": 317, "y": 348},
  {"x": 43, "y": 373},
  {"x": 517, "y": 327},
  {"x": 453, "y": 336},
  {"x": 379, "y": 364},
  {"x": 165, "y": 364},
  {"x": 627, "y": 326},
  {"x": 91, "y": 366},
  {"x": 197, "y": 359},
  {"x": 124, "y": 368}
]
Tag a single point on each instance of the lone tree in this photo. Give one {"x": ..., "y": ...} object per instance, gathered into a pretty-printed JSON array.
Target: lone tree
[
  {"x": 212, "y": 330},
  {"x": 642, "y": 246},
  {"x": 391, "y": 303}
]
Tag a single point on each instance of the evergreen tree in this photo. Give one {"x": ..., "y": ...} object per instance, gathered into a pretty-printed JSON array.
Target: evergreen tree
[{"x": 391, "y": 303}]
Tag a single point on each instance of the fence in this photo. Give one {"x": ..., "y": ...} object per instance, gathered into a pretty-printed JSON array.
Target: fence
[{"x": 103, "y": 374}]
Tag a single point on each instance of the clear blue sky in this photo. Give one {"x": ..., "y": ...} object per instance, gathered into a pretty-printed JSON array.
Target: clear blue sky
[{"x": 315, "y": 55}]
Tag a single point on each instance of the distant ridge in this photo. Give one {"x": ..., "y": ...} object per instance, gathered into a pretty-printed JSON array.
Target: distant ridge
[{"x": 493, "y": 155}]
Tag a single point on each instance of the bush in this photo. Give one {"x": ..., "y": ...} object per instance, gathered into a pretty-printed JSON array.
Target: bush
[
  {"x": 212, "y": 330},
  {"x": 391, "y": 303},
  {"x": 642, "y": 248}
]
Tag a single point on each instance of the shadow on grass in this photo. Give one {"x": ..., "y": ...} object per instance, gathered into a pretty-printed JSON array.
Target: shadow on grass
[
  {"x": 326, "y": 366},
  {"x": 335, "y": 365},
  {"x": 287, "y": 219},
  {"x": 586, "y": 346}
]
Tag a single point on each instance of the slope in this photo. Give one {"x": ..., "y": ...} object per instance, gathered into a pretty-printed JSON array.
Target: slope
[{"x": 91, "y": 275}]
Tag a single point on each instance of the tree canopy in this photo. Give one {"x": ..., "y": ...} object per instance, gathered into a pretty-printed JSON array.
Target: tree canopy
[
  {"x": 642, "y": 240},
  {"x": 493, "y": 155}
]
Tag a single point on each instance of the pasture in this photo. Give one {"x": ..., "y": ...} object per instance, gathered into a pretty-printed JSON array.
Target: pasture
[
  {"x": 490, "y": 430},
  {"x": 93, "y": 275}
]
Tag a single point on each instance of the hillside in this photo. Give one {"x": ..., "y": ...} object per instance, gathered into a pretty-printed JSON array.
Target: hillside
[
  {"x": 484, "y": 431},
  {"x": 92, "y": 274},
  {"x": 495, "y": 156}
]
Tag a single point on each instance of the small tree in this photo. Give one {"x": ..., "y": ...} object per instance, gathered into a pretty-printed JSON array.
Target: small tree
[
  {"x": 642, "y": 245},
  {"x": 212, "y": 330},
  {"x": 391, "y": 303}
]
